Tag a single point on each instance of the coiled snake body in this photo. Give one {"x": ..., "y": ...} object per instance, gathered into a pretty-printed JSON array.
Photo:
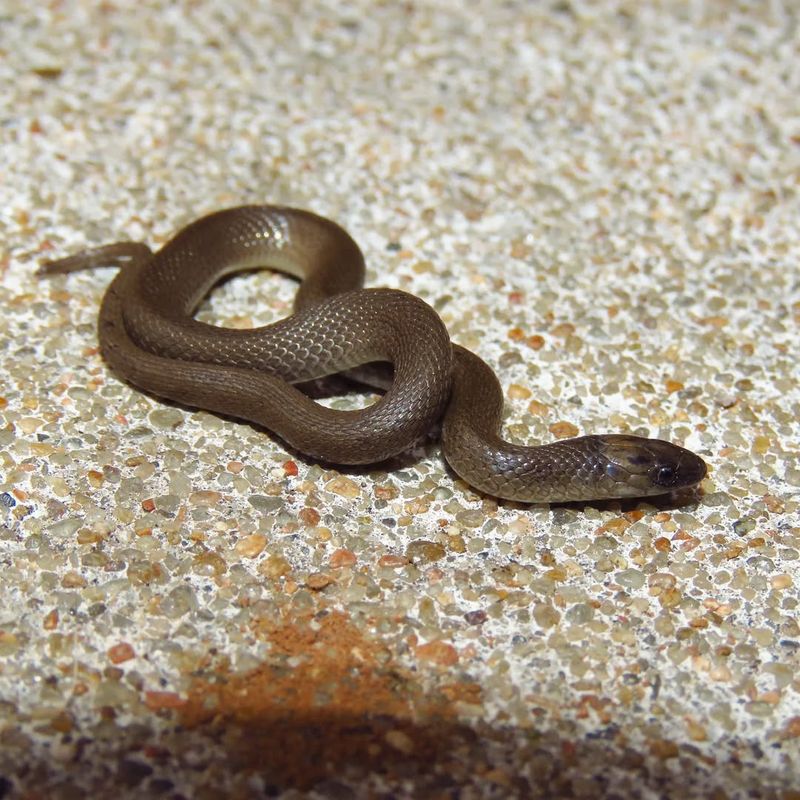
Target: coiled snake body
[{"x": 149, "y": 337}]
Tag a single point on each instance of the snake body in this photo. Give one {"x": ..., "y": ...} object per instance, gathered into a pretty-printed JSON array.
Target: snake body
[{"x": 149, "y": 337}]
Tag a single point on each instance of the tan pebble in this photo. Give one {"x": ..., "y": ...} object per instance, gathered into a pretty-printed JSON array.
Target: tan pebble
[
  {"x": 29, "y": 424},
  {"x": 792, "y": 728},
  {"x": 343, "y": 558},
  {"x": 344, "y": 487},
  {"x": 235, "y": 467},
  {"x": 145, "y": 470},
  {"x": 50, "y": 621},
  {"x": 318, "y": 581},
  {"x": 205, "y": 498},
  {"x": 73, "y": 580},
  {"x": 120, "y": 652},
  {"x": 563, "y": 430},
  {"x": 662, "y": 544},
  {"x": 672, "y": 386},
  {"x": 700, "y": 662},
  {"x": 773, "y": 504},
  {"x": 782, "y": 581},
  {"x": 392, "y": 561},
  {"x": 535, "y": 342},
  {"x": 290, "y": 587},
  {"x": 520, "y": 525},
  {"x": 400, "y": 740},
  {"x": 538, "y": 409},
  {"x": 322, "y": 533},
  {"x": 670, "y": 598},
  {"x": 762, "y": 636},
  {"x": 95, "y": 478},
  {"x": 456, "y": 543},
  {"x": 761, "y": 444},
  {"x": 251, "y": 545},
  {"x": 662, "y": 580},
  {"x": 441, "y": 653},
  {"x": 124, "y": 515},
  {"x": 309, "y": 516},
  {"x": 275, "y": 567},
  {"x": 545, "y": 615},
  {"x": 417, "y": 506},
  {"x": 521, "y": 250},
  {"x": 720, "y": 673},
  {"x": 517, "y": 392},
  {"x": 424, "y": 551},
  {"x": 563, "y": 329},
  {"x": 88, "y": 536},
  {"x": 734, "y": 551},
  {"x": 556, "y": 574},
  {"x": 210, "y": 563},
  {"x": 385, "y": 492}
]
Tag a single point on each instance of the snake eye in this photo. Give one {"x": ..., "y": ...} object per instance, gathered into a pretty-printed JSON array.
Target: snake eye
[{"x": 665, "y": 476}]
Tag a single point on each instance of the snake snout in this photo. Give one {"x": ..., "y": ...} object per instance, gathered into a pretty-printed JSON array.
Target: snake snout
[{"x": 650, "y": 466}]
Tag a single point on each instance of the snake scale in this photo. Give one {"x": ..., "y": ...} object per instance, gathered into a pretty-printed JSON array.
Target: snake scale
[{"x": 149, "y": 337}]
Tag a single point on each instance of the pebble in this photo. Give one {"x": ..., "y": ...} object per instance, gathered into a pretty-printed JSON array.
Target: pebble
[
  {"x": 274, "y": 567},
  {"x": 251, "y": 546},
  {"x": 425, "y": 552},
  {"x": 120, "y": 653},
  {"x": 344, "y": 487},
  {"x": 319, "y": 580},
  {"x": 165, "y": 418},
  {"x": 563, "y": 430},
  {"x": 343, "y": 558},
  {"x": 438, "y": 652}
]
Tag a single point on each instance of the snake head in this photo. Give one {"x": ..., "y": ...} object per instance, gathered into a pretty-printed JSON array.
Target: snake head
[{"x": 640, "y": 467}]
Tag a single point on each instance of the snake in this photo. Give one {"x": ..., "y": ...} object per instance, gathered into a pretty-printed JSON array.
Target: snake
[{"x": 149, "y": 336}]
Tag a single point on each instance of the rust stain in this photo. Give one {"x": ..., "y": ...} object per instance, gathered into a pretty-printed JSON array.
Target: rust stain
[{"x": 330, "y": 700}]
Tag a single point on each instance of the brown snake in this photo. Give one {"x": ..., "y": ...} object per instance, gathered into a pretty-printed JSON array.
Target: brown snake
[{"x": 149, "y": 337}]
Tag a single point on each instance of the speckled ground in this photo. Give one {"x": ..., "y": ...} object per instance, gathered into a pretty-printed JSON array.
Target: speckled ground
[{"x": 602, "y": 199}]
